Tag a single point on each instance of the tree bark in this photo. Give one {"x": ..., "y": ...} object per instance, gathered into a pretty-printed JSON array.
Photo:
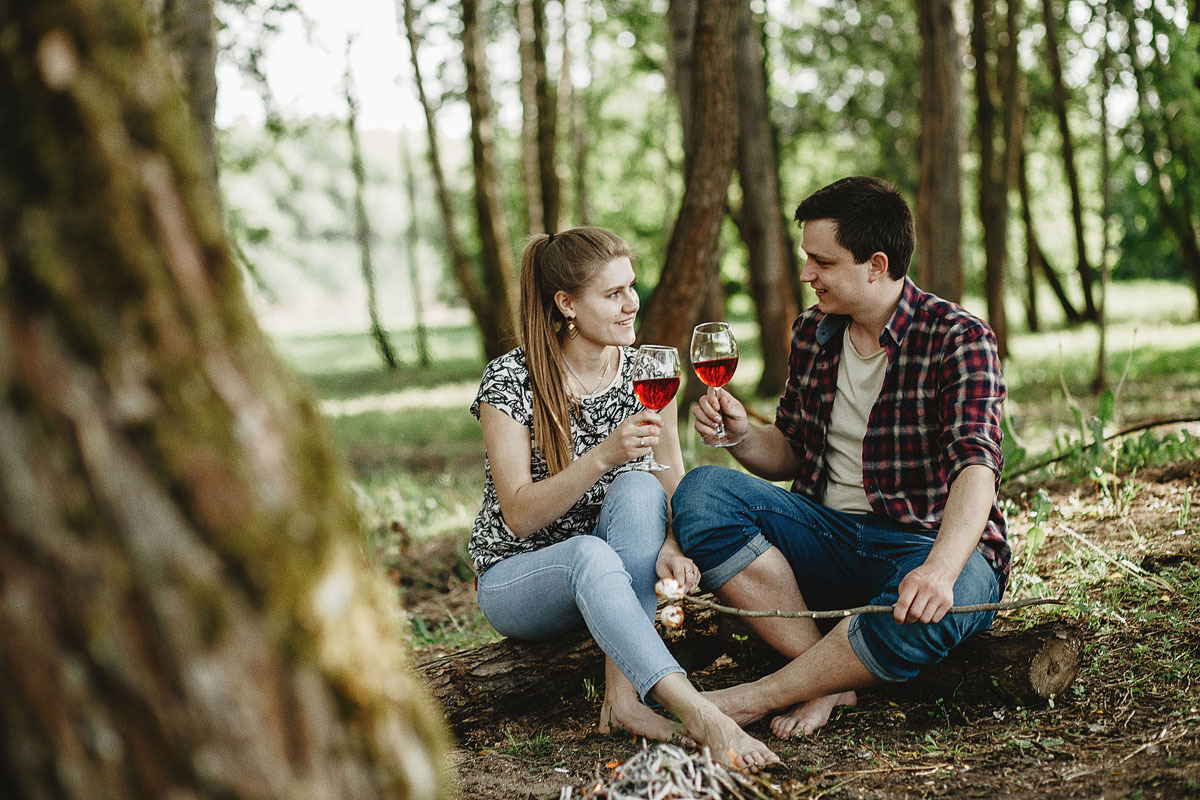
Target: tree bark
[
  {"x": 499, "y": 278},
  {"x": 481, "y": 686},
  {"x": 1058, "y": 98},
  {"x": 538, "y": 121},
  {"x": 762, "y": 225},
  {"x": 547, "y": 124},
  {"x": 530, "y": 161},
  {"x": 184, "y": 611},
  {"x": 691, "y": 253},
  {"x": 189, "y": 30},
  {"x": 362, "y": 221},
  {"x": 485, "y": 313},
  {"x": 993, "y": 178},
  {"x": 939, "y": 193},
  {"x": 581, "y": 120}
]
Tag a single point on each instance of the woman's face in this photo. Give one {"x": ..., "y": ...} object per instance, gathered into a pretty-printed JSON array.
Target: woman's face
[{"x": 605, "y": 307}]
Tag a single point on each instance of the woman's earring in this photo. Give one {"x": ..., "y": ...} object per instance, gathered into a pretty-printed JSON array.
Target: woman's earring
[{"x": 572, "y": 330}]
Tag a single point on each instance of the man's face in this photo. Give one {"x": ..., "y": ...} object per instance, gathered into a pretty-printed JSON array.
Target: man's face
[{"x": 839, "y": 281}]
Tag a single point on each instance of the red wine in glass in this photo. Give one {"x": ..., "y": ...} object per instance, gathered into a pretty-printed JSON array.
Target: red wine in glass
[
  {"x": 714, "y": 358},
  {"x": 655, "y": 393},
  {"x": 656, "y": 374},
  {"x": 715, "y": 371}
]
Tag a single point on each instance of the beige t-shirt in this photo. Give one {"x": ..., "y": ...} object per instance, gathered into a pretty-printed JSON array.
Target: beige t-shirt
[{"x": 858, "y": 383}]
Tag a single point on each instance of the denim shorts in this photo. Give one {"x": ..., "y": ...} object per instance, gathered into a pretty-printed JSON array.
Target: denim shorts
[{"x": 725, "y": 519}]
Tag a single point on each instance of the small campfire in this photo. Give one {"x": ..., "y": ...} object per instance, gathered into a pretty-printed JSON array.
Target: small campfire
[{"x": 668, "y": 772}]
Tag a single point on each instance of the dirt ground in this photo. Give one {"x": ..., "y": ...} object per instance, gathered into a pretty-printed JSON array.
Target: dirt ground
[{"x": 1128, "y": 728}]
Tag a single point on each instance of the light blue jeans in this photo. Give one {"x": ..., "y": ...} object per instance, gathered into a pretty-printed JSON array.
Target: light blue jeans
[{"x": 605, "y": 579}]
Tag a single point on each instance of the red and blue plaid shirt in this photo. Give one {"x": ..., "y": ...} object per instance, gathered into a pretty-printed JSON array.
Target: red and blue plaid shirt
[{"x": 938, "y": 411}]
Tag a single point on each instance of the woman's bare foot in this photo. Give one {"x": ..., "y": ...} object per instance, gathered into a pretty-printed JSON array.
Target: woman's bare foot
[
  {"x": 725, "y": 740},
  {"x": 808, "y": 717},
  {"x": 619, "y": 714}
]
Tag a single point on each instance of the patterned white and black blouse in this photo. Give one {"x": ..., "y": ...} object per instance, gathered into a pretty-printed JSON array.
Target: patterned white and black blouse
[{"x": 505, "y": 386}]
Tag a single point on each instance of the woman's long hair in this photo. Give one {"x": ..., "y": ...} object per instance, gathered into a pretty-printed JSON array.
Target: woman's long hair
[{"x": 557, "y": 262}]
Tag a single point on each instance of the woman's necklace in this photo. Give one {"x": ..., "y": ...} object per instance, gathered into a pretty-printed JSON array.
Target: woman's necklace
[{"x": 603, "y": 374}]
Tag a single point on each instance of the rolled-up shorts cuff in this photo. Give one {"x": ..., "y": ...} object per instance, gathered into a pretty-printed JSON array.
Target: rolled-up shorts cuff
[
  {"x": 713, "y": 578},
  {"x": 859, "y": 644}
]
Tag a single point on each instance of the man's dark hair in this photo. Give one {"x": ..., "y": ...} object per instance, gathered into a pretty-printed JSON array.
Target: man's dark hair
[{"x": 869, "y": 216}]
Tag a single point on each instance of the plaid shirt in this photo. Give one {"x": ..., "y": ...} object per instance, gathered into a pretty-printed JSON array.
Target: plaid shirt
[{"x": 938, "y": 411}]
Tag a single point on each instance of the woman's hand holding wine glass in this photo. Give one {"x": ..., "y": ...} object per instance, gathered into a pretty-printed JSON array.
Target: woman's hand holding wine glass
[{"x": 656, "y": 374}]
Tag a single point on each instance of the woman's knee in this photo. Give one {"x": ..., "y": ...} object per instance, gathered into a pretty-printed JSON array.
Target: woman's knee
[{"x": 639, "y": 489}]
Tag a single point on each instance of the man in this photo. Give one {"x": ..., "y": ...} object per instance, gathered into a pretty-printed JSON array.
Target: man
[{"x": 889, "y": 429}]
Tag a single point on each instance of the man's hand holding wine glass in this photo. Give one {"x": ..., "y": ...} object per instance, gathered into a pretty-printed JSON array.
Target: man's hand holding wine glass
[{"x": 715, "y": 407}]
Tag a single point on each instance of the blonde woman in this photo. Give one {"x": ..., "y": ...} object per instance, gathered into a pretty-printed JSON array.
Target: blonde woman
[{"x": 568, "y": 531}]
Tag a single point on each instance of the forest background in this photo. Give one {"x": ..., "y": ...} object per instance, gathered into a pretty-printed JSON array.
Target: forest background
[{"x": 191, "y": 596}]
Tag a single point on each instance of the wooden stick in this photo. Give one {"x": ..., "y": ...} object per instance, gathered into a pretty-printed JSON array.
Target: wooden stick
[{"x": 1007, "y": 605}]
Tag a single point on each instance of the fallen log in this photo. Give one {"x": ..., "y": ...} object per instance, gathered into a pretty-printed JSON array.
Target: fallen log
[
  {"x": 1030, "y": 665},
  {"x": 486, "y": 683}
]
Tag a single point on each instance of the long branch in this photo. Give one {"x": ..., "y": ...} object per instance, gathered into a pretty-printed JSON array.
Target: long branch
[
  {"x": 1144, "y": 426},
  {"x": 1007, "y": 605}
]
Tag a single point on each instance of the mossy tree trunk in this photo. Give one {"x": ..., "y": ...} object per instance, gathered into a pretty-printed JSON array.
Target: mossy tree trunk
[{"x": 184, "y": 611}]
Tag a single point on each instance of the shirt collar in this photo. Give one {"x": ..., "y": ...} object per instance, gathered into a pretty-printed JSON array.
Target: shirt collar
[
  {"x": 902, "y": 317},
  {"x": 893, "y": 333}
]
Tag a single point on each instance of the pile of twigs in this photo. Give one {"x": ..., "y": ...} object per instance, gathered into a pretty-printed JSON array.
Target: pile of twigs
[{"x": 667, "y": 772}]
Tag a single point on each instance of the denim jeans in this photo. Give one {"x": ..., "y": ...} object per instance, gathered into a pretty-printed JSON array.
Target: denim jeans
[
  {"x": 725, "y": 519},
  {"x": 605, "y": 579}
]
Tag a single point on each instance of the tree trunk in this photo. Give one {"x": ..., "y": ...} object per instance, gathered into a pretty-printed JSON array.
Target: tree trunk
[
  {"x": 1036, "y": 258},
  {"x": 538, "y": 122},
  {"x": 939, "y": 194},
  {"x": 695, "y": 241},
  {"x": 362, "y": 222},
  {"x": 547, "y": 124},
  {"x": 530, "y": 161},
  {"x": 184, "y": 611},
  {"x": 993, "y": 183},
  {"x": 762, "y": 227},
  {"x": 189, "y": 31},
  {"x": 1100, "y": 381},
  {"x": 481, "y": 686},
  {"x": 482, "y": 309},
  {"x": 499, "y": 279},
  {"x": 1058, "y": 99},
  {"x": 411, "y": 240},
  {"x": 581, "y": 121}
]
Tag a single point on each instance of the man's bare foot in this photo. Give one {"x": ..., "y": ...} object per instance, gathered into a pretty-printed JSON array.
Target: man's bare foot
[
  {"x": 725, "y": 740},
  {"x": 808, "y": 717},
  {"x": 740, "y": 703},
  {"x": 622, "y": 715}
]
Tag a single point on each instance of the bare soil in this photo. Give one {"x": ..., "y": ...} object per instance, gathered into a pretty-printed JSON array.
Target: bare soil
[{"x": 1129, "y": 726}]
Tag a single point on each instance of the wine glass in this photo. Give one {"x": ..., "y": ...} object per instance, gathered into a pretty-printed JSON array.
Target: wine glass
[
  {"x": 714, "y": 358},
  {"x": 656, "y": 374}
]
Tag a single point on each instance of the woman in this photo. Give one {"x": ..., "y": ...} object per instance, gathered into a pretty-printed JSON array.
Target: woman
[{"x": 568, "y": 530}]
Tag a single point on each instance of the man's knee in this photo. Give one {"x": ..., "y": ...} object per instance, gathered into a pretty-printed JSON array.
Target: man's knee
[{"x": 897, "y": 652}]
